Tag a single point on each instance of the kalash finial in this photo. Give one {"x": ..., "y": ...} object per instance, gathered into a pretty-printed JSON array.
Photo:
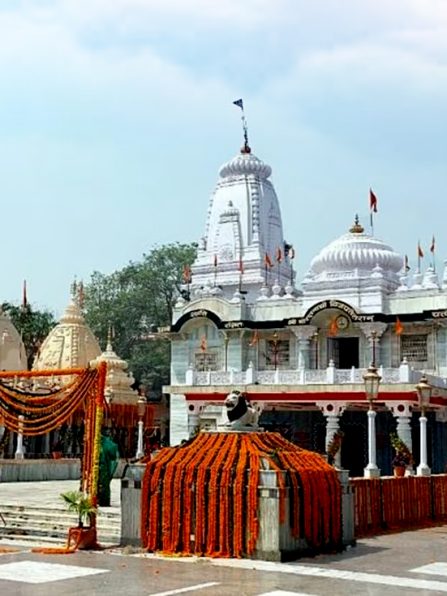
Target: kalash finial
[
  {"x": 246, "y": 148},
  {"x": 357, "y": 228}
]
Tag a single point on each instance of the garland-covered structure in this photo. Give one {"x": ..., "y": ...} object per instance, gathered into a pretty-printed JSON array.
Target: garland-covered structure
[{"x": 204, "y": 497}]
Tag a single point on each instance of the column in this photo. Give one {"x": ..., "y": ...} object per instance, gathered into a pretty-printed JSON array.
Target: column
[
  {"x": 371, "y": 470},
  {"x": 178, "y": 419},
  {"x": 303, "y": 336},
  {"x": 140, "y": 447},
  {"x": 373, "y": 332},
  {"x": 332, "y": 414},
  {"x": 20, "y": 452},
  {"x": 423, "y": 469},
  {"x": 402, "y": 413}
]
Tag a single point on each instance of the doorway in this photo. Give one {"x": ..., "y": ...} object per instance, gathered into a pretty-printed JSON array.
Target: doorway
[{"x": 344, "y": 351}]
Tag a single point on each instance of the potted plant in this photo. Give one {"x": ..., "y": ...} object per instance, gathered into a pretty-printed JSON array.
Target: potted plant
[
  {"x": 402, "y": 458},
  {"x": 84, "y": 537}
]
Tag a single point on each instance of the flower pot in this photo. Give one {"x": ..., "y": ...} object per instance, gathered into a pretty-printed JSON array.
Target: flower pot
[
  {"x": 82, "y": 538},
  {"x": 399, "y": 471}
]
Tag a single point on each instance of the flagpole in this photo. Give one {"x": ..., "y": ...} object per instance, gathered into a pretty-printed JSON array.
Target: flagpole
[
  {"x": 372, "y": 222},
  {"x": 419, "y": 256}
]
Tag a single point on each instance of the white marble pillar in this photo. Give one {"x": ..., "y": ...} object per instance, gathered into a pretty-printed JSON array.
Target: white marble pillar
[
  {"x": 178, "y": 419},
  {"x": 371, "y": 470},
  {"x": 140, "y": 447},
  {"x": 373, "y": 332},
  {"x": 303, "y": 336},
  {"x": 423, "y": 469},
  {"x": 20, "y": 450},
  {"x": 193, "y": 423},
  {"x": 332, "y": 427}
]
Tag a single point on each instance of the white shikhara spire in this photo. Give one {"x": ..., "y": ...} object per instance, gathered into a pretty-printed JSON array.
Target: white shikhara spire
[{"x": 243, "y": 225}]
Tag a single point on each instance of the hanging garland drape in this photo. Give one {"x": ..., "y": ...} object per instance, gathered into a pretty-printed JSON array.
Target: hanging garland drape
[
  {"x": 37, "y": 412},
  {"x": 202, "y": 498}
]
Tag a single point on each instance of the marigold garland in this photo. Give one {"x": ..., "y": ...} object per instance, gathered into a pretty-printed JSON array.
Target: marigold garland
[{"x": 202, "y": 497}]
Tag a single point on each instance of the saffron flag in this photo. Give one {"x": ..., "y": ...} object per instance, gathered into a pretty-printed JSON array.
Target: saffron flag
[
  {"x": 420, "y": 251},
  {"x": 203, "y": 344},
  {"x": 186, "y": 274},
  {"x": 278, "y": 255},
  {"x": 372, "y": 201},
  {"x": 398, "y": 327},
  {"x": 241, "y": 266},
  {"x": 333, "y": 329},
  {"x": 239, "y": 103},
  {"x": 432, "y": 247},
  {"x": 267, "y": 260},
  {"x": 254, "y": 338}
]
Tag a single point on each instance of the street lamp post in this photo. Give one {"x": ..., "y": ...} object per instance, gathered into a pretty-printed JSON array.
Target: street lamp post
[
  {"x": 424, "y": 390},
  {"x": 141, "y": 412},
  {"x": 372, "y": 381}
]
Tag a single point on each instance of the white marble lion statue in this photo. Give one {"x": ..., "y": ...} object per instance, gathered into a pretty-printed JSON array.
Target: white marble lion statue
[{"x": 241, "y": 414}]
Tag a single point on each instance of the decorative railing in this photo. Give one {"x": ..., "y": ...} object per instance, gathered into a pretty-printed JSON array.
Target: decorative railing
[{"x": 327, "y": 376}]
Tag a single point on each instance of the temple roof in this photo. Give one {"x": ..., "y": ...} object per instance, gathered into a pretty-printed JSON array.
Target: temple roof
[
  {"x": 118, "y": 381},
  {"x": 12, "y": 349},
  {"x": 70, "y": 344}
]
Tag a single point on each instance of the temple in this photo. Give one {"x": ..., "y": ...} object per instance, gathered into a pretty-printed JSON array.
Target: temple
[{"x": 300, "y": 351}]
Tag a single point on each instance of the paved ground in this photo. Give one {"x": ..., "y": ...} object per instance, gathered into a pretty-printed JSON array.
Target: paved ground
[{"x": 397, "y": 564}]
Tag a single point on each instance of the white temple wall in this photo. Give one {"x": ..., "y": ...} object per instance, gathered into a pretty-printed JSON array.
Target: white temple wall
[{"x": 178, "y": 422}]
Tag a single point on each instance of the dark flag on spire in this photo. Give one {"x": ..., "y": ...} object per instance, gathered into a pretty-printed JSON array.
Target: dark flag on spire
[
  {"x": 24, "y": 296},
  {"x": 239, "y": 103}
]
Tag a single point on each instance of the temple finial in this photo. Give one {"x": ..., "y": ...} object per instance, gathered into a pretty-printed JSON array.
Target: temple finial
[
  {"x": 74, "y": 289},
  {"x": 110, "y": 334},
  {"x": 246, "y": 147},
  {"x": 357, "y": 228}
]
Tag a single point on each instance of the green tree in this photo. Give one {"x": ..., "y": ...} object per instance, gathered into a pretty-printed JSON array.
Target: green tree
[
  {"x": 32, "y": 325},
  {"x": 135, "y": 301}
]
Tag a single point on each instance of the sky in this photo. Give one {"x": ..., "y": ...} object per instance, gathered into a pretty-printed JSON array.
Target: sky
[{"x": 115, "y": 117}]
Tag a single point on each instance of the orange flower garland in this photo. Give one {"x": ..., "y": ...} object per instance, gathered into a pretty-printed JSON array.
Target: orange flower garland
[{"x": 202, "y": 497}]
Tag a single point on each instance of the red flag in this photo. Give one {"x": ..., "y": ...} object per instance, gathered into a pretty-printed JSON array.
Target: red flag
[
  {"x": 372, "y": 201},
  {"x": 24, "y": 296},
  {"x": 241, "y": 265},
  {"x": 186, "y": 274},
  {"x": 420, "y": 251},
  {"x": 254, "y": 338},
  {"x": 278, "y": 255},
  {"x": 203, "y": 344},
  {"x": 432, "y": 247},
  {"x": 333, "y": 329},
  {"x": 215, "y": 260},
  {"x": 398, "y": 327},
  {"x": 267, "y": 261}
]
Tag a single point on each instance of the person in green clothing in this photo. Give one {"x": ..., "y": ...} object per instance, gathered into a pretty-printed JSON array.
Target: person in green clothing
[{"x": 108, "y": 462}]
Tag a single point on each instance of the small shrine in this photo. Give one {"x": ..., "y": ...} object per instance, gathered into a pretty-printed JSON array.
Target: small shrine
[{"x": 241, "y": 492}]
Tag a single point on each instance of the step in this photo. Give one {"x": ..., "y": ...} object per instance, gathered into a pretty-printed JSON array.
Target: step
[
  {"x": 112, "y": 512},
  {"x": 42, "y": 541},
  {"x": 57, "y": 518}
]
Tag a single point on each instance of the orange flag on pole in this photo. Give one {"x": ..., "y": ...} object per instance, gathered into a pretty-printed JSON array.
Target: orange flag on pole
[
  {"x": 333, "y": 329},
  {"x": 398, "y": 327},
  {"x": 254, "y": 338},
  {"x": 267, "y": 260}
]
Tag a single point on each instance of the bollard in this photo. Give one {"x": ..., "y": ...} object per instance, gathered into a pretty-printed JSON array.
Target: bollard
[{"x": 131, "y": 504}]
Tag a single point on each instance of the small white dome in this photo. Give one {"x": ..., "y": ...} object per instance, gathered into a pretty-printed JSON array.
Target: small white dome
[
  {"x": 356, "y": 250},
  {"x": 244, "y": 164}
]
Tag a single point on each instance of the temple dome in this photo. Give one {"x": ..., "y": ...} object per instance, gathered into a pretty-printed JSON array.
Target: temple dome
[
  {"x": 244, "y": 164},
  {"x": 359, "y": 251},
  {"x": 12, "y": 349},
  {"x": 71, "y": 344},
  {"x": 118, "y": 380}
]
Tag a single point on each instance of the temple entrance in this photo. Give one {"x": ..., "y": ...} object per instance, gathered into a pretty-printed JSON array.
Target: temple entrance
[{"x": 343, "y": 351}]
